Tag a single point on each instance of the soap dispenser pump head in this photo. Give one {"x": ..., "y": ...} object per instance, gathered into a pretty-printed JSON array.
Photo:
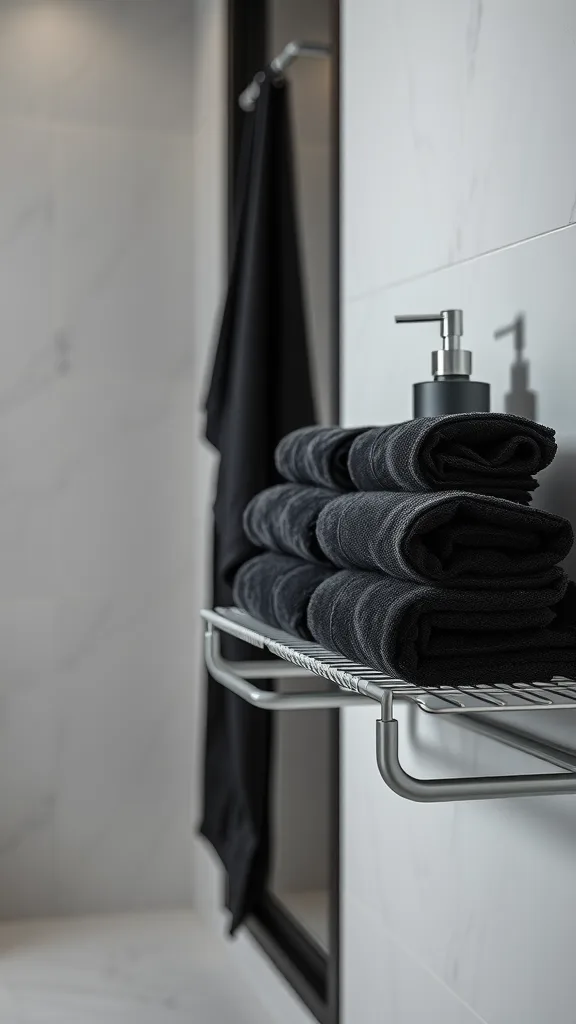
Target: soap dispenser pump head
[
  {"x": 451, "y": 391},
  {"x": 450, "y": 360}
]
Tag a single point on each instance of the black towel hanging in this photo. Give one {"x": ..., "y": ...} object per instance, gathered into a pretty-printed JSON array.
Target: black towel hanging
[{"x": 260, "y": 390}]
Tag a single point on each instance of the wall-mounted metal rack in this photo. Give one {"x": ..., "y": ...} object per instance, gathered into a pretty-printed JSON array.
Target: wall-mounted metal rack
[{"x": 473, "y": 707}]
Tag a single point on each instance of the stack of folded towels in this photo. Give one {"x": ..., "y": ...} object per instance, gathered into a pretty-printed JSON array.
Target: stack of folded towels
[{"x": 410, "y": 549}]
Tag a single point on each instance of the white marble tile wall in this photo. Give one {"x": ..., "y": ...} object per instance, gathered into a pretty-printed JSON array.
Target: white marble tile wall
[
  {"x": 475, "y": 900},
  {"x": 111, "y": 258},
  {"x": 456, "y": 126},
  {"x": 459, "y": 912}
]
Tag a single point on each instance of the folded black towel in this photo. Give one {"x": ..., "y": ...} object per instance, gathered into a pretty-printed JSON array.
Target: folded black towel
[
  {"x": 432, "y": 636},
  {"x": 317, "y": 455},
  {"x": 283, "y": 518},
  {"x": 452, "y": 538},
  {"x": 488, "y": 453},
  {"x": 276, "y": 589},
  {"x": 449, "y": 539}
]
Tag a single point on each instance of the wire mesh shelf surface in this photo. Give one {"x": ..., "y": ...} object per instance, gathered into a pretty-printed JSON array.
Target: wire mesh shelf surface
[{"x": 440, "y": 700}]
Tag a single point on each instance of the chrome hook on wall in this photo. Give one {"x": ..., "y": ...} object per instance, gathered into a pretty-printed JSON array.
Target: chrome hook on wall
[{"x": 278, "y": 65}]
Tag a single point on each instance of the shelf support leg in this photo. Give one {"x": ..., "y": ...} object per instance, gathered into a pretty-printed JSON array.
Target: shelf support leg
[{"x": 489, "y": 787}]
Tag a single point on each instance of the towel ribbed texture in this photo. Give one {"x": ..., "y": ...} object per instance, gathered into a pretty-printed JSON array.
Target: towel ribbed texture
[
  {"x": 487, "y": 453},
  {"x": 317, "y": 455},
  {"x": 410, "y": 549},
  {"x": 430, "y": 636},
  {"x": 449, "y": 539},
  {"x": 283, "y": 518},
  {"x": 276, "y": 589}
]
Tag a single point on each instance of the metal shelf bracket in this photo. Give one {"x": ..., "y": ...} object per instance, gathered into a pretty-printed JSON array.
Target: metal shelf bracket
[{"x": 487, "y": 787}]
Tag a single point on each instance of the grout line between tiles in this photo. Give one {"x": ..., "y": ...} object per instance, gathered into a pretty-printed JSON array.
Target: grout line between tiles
[{"x": 373, "y": 292}]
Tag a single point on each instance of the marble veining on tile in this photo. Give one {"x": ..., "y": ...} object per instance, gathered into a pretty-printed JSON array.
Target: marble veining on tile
[
  {"x": 455, "y": 132},
  {"x": 111, "y": 256}
]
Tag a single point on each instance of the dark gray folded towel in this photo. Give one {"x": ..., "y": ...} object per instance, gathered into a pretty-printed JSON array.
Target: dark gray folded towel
[
  {"x": 431, "y": 636},
  {"x": 488, "y": 453},
  {"x": 283, "y": 518},
  {"x": 450, "y": 539},
  {"x": 276, "y": 589},
  {"x": 317, "y": 455}
]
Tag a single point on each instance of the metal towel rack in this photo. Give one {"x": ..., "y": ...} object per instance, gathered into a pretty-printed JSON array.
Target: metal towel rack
[{"x": 356, "y": 684}]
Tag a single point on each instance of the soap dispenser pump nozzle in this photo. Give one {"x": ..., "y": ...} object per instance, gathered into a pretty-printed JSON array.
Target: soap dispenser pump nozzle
[
  {"x": 450, "y": 360},
  {"x": 451, "y": 390}
]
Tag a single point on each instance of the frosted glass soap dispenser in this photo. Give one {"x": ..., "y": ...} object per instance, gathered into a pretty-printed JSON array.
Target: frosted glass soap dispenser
[{"x": 451, "y": 390}]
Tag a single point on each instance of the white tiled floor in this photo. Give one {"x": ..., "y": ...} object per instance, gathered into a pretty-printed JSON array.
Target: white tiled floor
[{"x": 136, "y": 969}]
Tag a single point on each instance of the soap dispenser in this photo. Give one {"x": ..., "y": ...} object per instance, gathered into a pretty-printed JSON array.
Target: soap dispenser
[{"x": 451, "y": 390}]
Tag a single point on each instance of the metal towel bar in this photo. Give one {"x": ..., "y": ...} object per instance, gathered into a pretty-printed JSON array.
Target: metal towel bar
[
  {"x": 473, "y": 708},
  {"x": 235, "y": 676}
]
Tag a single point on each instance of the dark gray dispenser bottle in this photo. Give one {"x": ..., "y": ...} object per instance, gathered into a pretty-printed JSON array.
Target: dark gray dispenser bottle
[{"x": 451, "y": 390}]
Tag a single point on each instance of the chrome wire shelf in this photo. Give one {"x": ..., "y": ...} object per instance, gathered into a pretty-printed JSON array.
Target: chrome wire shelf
[
  {"x": 352, "y": 684},
  {"x": 438, "y": 700}
]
